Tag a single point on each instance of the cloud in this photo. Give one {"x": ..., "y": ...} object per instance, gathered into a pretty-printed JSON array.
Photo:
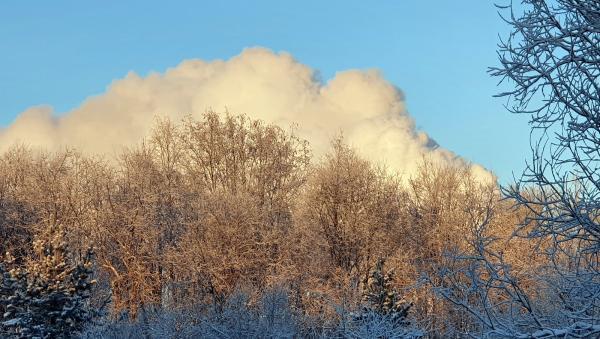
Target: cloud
[{"x": 271, "y": 86}]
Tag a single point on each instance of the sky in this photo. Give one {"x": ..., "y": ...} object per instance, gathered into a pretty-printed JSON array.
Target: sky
[{"x": 60, "y": 53}]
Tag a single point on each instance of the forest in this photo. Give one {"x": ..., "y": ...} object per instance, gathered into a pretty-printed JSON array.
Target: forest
[
  {"x": 223, "y": 226},
  {"x": 216, "y": 211}
]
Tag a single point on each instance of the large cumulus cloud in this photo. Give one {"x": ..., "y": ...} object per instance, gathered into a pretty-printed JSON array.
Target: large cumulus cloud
[{"x": 274, "y": 87}]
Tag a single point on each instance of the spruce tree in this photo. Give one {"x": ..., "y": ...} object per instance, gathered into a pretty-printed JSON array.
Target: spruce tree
[
  {"x": 380, "y": 296},
  {"x": 46, "y": 296}
]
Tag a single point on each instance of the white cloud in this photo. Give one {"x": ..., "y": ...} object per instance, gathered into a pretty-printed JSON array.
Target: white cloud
[{"x": 274, "y": 87}]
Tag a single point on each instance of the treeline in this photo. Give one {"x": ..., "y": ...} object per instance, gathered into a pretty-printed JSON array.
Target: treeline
[{"x": 208, "y": 209}]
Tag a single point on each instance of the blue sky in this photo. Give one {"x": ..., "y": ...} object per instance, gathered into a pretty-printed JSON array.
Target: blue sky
[{"x": 437, "y": 52}]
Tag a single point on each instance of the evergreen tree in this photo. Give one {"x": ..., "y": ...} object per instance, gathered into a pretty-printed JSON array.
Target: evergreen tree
[
  {"x": 381, "y": 297},
  {"x": 46, "y": 296}
]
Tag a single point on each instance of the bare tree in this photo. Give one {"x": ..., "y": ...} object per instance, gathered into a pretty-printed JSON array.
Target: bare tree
[
  {"x": 244, "y": 177},
  {"x": 443, "y": 204},
  {"x": 351, "y": 203},
  {"x": 552, "y": 61}
]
